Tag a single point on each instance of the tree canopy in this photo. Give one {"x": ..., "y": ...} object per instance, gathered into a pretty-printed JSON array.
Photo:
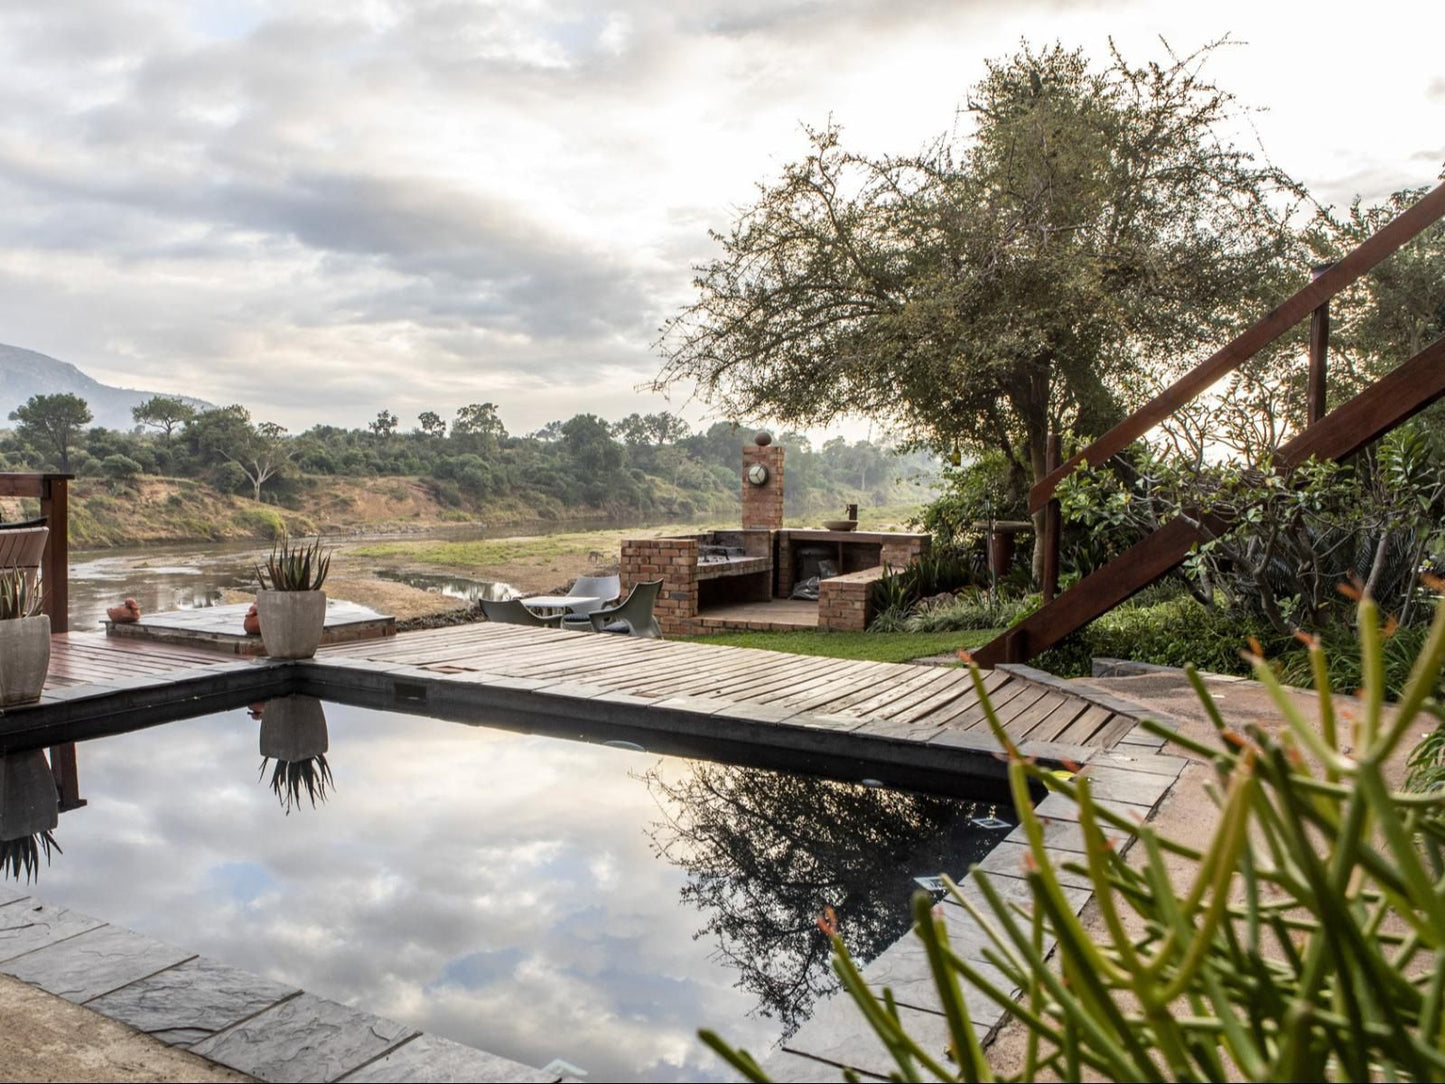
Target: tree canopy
[
  {"x": 1089, "y": 237},
  {"x": 53, "y": 423}
]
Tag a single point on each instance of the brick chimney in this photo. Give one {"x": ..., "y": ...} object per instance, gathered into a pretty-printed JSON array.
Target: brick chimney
[{"x": 763, "y": 504}]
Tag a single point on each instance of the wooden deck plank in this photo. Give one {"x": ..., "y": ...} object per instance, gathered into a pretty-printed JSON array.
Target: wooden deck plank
[{"x": 904, "y": 700}]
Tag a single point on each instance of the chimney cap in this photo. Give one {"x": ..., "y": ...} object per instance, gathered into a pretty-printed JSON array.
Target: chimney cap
[{"x": 762, "y": 438}]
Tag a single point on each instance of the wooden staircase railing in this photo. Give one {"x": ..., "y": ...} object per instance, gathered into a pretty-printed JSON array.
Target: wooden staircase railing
[{"x": 1385, "y": 404}]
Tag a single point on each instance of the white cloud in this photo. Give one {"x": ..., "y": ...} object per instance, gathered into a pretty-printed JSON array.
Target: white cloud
[{"x": 419, "y": 204}]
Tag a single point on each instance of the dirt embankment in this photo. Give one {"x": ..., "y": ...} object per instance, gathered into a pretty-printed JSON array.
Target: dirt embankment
[{"x": 157, "y": 511}]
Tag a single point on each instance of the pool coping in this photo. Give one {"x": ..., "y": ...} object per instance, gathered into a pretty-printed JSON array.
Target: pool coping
[
  {"x": 81, "y": 711},
  {"x": 271, "y": 1031}
]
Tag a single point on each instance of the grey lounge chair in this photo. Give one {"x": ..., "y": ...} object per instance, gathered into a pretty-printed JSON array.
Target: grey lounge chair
[
  {"x": 603, "y": 590},
  {"x": 634, "y": 616},
  {"x": 512, "y": 612}
]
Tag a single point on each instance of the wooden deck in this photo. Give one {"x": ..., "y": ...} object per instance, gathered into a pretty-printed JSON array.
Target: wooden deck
[
  {"x": 92, "y": 658},
  {"x": 697, "y": 698},
  {"x": 918, "y": 703}
]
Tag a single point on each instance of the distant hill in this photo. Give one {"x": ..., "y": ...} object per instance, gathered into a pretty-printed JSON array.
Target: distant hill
[{"x": 24, "y": 373}]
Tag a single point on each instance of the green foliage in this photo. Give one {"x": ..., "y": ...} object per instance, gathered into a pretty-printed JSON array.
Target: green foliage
[
  {"x": 940, "y": 570},
  {"x": 164, "y": 413},
  {"x": 120, "y": 468},
  {"x": 295, "y": 568},
  {"x": 972, "y": 608},
  {"x": 997, "y": 284},
  {"x": 53, "y": 423},
  {"x": 1305, "y": 940},
  {"x": 19, "y": 597},
  {"x": 1288, "y": 538},
  {"x": 261, "y": 522},
  {"x": 1177, "y": 631}
]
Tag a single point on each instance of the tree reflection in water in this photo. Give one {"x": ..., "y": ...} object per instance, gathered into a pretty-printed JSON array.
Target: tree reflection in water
[{"x": 765, "y": 852}]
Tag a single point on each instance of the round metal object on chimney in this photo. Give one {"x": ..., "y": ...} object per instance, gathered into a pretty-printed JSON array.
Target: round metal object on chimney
[
  {"x": 757, "y": 474},
  {"x": 762, "y": 438}
]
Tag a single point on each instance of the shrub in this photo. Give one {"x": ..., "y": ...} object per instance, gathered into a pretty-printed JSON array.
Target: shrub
[
  {"x": 1175, "y": 632},
  {"x": 120, "y": 468},
  {"x": 260, "y": 522},
  {"x": 1307, "y": 941}
]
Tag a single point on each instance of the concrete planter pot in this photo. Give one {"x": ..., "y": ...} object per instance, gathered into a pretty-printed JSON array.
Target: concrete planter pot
[
  {"x": 29, "y": 802},
  {"x": 293, "y": 728},
  {"x": 24, "y": 659},
  {"x": 291, "y": 622}
]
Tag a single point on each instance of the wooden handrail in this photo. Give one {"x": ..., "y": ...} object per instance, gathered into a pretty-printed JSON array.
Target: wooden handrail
[
  {"x": 1398, "y": 232},
  {"x": 1393, "y": 399},
  {"x": 53, "y": 493}
]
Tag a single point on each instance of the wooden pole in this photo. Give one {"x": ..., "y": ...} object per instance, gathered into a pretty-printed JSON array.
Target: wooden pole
[
  {"x": 1316, "y": 406},
  {"x": 1053, "y": 523},
  {"x": 55, "y": 564},
  {"x": 67, "y": 776}
]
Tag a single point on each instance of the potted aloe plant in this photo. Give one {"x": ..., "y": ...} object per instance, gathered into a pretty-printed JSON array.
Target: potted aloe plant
[
  {"x": 291, "y": 604},
  {"x": 24, "y": 639}
]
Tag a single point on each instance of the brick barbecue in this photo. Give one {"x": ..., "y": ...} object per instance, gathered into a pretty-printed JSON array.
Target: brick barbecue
[{"x": 713, "y": 572}]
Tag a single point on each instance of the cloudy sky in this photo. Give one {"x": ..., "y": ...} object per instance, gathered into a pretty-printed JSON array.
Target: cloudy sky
[{"x": 324, "y": 209}]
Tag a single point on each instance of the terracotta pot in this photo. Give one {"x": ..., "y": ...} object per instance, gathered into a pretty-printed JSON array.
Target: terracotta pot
[
  {"x": 251, "y": 623},
  {"x": 24, "y": 659},
  {"x": 291, "y": 622},
  {"x": 29, "y": 802},
  {"x": 293, "y": 728}
]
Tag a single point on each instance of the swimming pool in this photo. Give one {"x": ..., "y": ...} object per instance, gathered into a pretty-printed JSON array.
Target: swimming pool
[{"x": 529, "y": 893}]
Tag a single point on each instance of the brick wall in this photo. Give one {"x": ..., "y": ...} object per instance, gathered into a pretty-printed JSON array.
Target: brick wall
[
  {"x": 896, "y": 554},
  {"x": 843, "y": 600},
  {"x": 763, "y": 505},
  {"x": 674, "y": 562}
]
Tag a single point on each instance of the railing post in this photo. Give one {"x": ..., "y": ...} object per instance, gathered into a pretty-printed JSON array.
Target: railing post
[
  {"x": 67, "y": 776},
  {"x": 1053, "y": 522},
  {"x": 55, "y": 564},
  {"x": 1315, "y": 396}
]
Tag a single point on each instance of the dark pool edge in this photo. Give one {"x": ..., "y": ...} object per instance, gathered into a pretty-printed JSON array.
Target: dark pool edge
[{"x": 86, "y": 711}]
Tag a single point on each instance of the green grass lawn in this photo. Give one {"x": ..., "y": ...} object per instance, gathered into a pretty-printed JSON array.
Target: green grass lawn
[{"x": 874, "y": 646}]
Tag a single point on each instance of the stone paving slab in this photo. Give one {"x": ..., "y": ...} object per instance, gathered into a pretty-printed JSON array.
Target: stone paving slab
[
  {"x": 305, "y": 1039},
  {"x": 9, "y": 894},
  {"x": 30, "y": 924},
  {"x": 837, "y": 1033},
  {"x": 785, "y": 1067},
  {"x": 94, "y": 963},
  {"x": 430, "y": 1057},
  {"x": 1008, "y": 859},
  {"x": 189, "y": 1003},
  {"x": 1136, "y": 759},
  {"x": 1119, "y": 784}
]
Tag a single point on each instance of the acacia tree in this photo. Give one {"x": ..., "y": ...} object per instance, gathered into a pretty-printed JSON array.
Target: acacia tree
[
  {"x": 53, "y": 422},
  {"x": 1089, "y": 237},
  {"x": 261, "y": 450},
  {"x": 164, "y": 413}
]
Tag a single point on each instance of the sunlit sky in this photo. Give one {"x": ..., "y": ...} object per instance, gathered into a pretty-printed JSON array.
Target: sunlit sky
[{"x": 323, "y": 210}]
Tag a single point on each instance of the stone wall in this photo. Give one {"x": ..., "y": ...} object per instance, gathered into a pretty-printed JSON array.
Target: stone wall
[
  {"x": 763, "y": 505},
  {"x": 674, "y": 562}
]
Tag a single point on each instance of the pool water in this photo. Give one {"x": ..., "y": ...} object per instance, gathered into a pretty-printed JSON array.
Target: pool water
[{"x": 534, "y": 896}]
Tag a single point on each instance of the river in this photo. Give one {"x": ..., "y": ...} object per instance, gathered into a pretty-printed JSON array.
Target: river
[{"x": 192, "y": 575}]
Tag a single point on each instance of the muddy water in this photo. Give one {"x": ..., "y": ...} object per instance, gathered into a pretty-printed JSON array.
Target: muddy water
[{"x": 197, "y": 575}]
